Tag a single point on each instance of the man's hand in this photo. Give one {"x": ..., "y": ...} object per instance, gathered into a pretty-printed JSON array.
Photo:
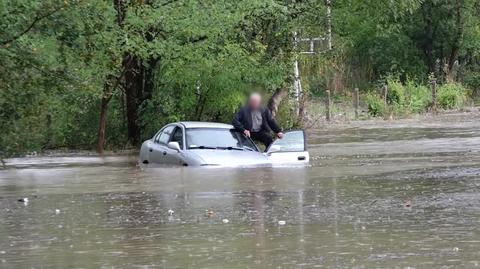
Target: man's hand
[
  {"x": 246, "y": 133},
  {"x": 280, "y": 135}
]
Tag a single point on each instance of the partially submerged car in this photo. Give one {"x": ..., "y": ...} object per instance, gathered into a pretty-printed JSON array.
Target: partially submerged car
[{"x": 218, "y": 144}]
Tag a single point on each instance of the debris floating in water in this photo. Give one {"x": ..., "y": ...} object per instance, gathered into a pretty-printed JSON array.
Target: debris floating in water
[
  {"x": 225, "y": 221},
  {"x": 408, "y": 203},
  {"x": 171, "y": 212},
  {"x": 57, "y": 211},
  {"x": 282, "y": 222},
  {"x": 23, "y": 200},
  {"x": 209, "y": 213}
]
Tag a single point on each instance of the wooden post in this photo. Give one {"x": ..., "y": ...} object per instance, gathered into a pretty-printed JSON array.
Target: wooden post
[
  {"x": 328, "y": 102},
  {"x": 434, "y": 97},
  {"x": 385, "y": 94},
  {"x": 356, "y": 101}
]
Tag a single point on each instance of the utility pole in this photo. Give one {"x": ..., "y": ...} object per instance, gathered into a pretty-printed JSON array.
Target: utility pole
[
  {"x": 297, "y": 85},
  {"x": 329, "y": 24}
]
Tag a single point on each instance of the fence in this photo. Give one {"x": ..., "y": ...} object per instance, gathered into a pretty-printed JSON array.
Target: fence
[{"x": 384, "y": 97}]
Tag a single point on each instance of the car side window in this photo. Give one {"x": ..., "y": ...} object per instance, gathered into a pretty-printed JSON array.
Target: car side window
[
  {"x": 178, "y": 136},
  {"x": 165, "y": 135}
]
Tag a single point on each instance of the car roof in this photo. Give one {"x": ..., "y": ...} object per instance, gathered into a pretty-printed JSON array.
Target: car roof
[{"x": 202, "y": 124}]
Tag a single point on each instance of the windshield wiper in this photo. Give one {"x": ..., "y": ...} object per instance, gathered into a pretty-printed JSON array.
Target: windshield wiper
[
  {"x": 224, "y": 148},
  {"x": 201, "y": 147},
  {"x": 230, "y": 148},
  {"x": 236, "y": 148}
]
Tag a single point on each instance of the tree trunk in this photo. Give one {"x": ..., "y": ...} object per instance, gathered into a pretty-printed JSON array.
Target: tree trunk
[
  {"x": 110, "y": 87},
  {"x": 301, "y": 110},
  {"x": 107, "y": 91},
  {"x": 139, "y": 83},
  {"x": 457, "y": 42},
  {"x": 148, "y": 78},
  {"x": 276, "y": 99},
  {"x": 138, "y": 78},
  {"x": 102, "y": 124},
  {"x": 201, "y": 105},
  {"x": 120, "y": 8},
  {"x": 133, "y": 92},
  {"x": 133, "y": 81},
  {"x": 429, "y": 33}
]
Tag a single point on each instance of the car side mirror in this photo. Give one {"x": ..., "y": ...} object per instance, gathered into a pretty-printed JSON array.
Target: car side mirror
[
  {"x": 174, "y": 146},
  {"x": 274, "y": 148}
]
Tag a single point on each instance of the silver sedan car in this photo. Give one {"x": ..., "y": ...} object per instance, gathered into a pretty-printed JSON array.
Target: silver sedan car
[{"x": 218, "y": 144}]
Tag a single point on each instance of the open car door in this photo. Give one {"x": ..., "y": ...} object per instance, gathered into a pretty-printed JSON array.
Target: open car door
[{"x": 291, "y": 149}]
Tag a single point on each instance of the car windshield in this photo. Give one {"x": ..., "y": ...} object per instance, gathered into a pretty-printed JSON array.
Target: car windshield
[{"x": 217, "y": 138}]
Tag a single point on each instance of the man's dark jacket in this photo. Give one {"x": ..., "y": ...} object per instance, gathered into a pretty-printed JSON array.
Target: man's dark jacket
[{"x": 243, "y": 120}]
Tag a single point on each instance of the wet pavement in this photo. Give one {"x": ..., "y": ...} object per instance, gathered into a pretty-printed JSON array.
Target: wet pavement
[{"x": 402, "y": 194}]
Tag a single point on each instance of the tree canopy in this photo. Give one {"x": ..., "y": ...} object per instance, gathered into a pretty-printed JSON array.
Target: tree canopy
[{"x": 85, "y": 74}]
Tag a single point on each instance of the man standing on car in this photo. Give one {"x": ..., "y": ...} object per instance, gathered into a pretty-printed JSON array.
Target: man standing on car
[{"x": 256, "y": 121}]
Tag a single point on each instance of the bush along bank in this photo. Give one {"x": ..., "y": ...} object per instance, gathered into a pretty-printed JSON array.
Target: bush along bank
[{"x": 399, "y": 99}]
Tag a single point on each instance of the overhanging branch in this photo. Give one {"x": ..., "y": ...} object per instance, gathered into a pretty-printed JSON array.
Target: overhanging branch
[{"x": 30, "y": 26}]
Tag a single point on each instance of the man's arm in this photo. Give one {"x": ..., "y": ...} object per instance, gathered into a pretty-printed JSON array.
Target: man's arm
[
  {"x": 237, "y": 121},
  {"x": 272, "y": 122}
]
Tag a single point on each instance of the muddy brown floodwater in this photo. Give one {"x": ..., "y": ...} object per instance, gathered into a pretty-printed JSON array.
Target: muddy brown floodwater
[{"x": 379, "y": 194}]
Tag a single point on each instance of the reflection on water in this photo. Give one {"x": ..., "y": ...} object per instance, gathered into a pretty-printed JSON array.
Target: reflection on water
[{"x": 399, "y": 201}]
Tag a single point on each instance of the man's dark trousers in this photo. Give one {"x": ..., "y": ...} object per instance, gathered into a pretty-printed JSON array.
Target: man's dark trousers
[{"x": 262, "y": 136}]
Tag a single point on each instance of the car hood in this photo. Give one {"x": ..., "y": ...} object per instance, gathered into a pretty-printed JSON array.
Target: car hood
[{"x": 230, "y": 157}]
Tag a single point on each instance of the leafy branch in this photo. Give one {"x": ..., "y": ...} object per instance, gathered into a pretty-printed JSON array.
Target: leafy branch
[{"x": 30, "y": 26}]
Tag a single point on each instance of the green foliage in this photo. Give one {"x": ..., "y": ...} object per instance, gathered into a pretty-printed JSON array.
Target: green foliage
[
  {"x": 408, "y": 97},
  {"x": 60, "y": 58},
  {"x": 395, "y": 93},
  {"x": 375, "y": 38},
  {"x": 471, "y": 53},
  {"x": 375, "y": 104},
  {"x": 418, "y": 97},
  {"x": 53, "y": 62},
  {"x": 451, "y": 95}
]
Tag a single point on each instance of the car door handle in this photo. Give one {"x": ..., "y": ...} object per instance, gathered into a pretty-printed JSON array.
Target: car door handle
[
  {"x": 301, "y": 158},
  {"x": 164, "y": 153}
]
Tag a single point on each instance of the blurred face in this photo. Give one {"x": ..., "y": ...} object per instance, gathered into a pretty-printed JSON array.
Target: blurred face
[{"x": 254, "y": 102}]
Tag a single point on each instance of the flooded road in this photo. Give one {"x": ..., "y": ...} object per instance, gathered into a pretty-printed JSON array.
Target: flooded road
[{"x": 400, "y": 194}]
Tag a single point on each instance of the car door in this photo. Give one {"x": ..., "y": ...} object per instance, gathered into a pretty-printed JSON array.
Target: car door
[
  {"x": 173, "y": 156},
  {"x": 159, "y": 149},
  {"x": 291, "y": 149}
]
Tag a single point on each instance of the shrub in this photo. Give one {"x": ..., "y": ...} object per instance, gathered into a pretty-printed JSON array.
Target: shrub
[
  {"x": 410, "y": 97},
  {"x": 419, "y": 97},
  {"x": 451, "y": 95},
  {"x": 375, "y": 104},
  {"x": 396, "y": 92},
  {"x": 472, "y": 81}
]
